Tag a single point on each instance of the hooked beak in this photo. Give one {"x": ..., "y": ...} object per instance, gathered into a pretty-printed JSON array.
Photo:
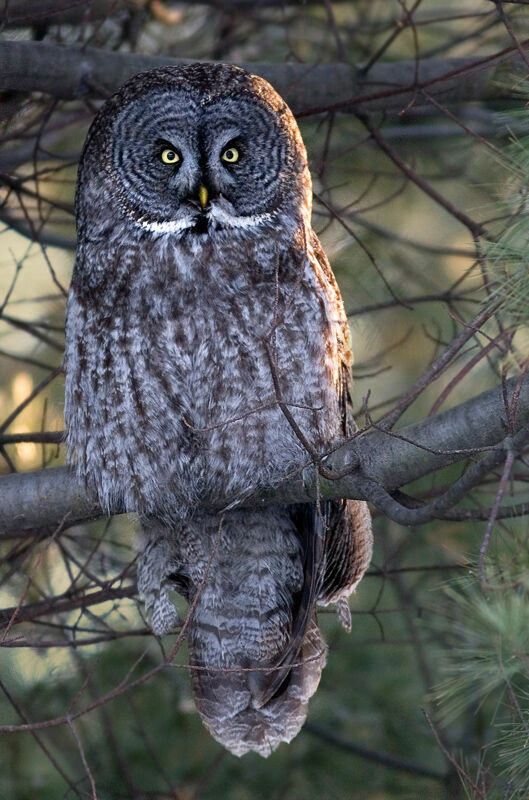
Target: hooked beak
[{"x": 203, "y": 196}]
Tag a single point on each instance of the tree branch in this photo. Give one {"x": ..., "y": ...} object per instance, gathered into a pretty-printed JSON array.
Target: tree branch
[
  {"x": 61, "y": 604},
  {"x": 71, "y": 73},
  {"x": 384, "y": 759},
  {"x": 18, "y": 13},
  {"x": 383, "y": 459}
]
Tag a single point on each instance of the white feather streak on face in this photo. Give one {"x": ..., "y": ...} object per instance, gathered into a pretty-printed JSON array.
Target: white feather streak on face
[
  {"x": 223, "y": 217},
  {"x": 168, "y": 225},
  {"x": 230, "y": 220}
]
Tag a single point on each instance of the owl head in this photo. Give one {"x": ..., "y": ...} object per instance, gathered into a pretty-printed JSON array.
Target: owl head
[{"x": 202, "y": 150}]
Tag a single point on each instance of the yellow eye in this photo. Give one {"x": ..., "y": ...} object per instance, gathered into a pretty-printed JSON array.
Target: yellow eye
[
  {"x": 169, "y": 156},
  {"x": 230, "y": 155}
]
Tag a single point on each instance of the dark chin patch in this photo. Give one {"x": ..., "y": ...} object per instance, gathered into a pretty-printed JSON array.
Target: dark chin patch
[{"x": 201, "y": 225}]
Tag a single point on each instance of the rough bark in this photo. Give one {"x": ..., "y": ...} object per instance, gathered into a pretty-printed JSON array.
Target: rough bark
[
  {"x": 70, "y": 73},
  {"x": 20, "y": 13}
]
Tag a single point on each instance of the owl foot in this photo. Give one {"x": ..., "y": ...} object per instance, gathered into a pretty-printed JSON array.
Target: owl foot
[
  {"x": 154, "y": 565},
  {"x": 343, "y": 613},
  {"x": 163, "y": 613}
]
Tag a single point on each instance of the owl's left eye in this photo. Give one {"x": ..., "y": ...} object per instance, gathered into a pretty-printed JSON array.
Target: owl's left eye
[
  {"x": 230, "y": 155},
  {"x": 170, "y": 156}
]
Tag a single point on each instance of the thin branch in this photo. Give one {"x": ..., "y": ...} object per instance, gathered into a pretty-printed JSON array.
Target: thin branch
[
  {"x": 36, "y": 391},
  {"x": 440, "y": 363},
  {"x": 509, "y": 461},
  {"x": 461, "y": 772},
  {"x": 58, "y": 605},
  {"x": 43, "y": 746},
  {"x": 475, "y": 228},
  {"x": 384, "y": 759},
  {"x": 408, "y": 302}
]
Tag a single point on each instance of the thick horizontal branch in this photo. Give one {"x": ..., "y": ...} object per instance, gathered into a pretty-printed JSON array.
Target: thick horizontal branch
[
  {"x": 71, "y": 73},
  {"x": 20, "y": 13},
  {"x": 46, "y": 498}
]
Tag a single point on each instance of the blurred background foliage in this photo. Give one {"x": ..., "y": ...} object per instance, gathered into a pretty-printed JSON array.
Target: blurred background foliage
[{"x": 429, "y": 694}]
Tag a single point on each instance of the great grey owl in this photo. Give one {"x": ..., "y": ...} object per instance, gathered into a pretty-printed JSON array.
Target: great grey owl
[{"x": 208, "y": 358}]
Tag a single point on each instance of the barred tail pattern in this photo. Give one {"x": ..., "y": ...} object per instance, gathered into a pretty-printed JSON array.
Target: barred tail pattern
[
  {"x": 225, "y": 700},
  {"x": 256, "y": 653}
]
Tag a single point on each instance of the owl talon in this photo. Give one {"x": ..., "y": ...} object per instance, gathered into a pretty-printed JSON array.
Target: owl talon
[
  {"x": 164, "y": 615},
  {"x": 343, "y": 613}
]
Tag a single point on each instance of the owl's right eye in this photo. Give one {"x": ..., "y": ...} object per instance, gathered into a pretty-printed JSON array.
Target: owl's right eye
[{"x": 170, "y": 156}]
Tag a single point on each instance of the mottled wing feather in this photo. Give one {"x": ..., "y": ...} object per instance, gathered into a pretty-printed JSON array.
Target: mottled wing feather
[
  {"x": 348, "y": 536},
  {"x": 336, "y": 539},
  {"x": 348, "y": 549}
]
